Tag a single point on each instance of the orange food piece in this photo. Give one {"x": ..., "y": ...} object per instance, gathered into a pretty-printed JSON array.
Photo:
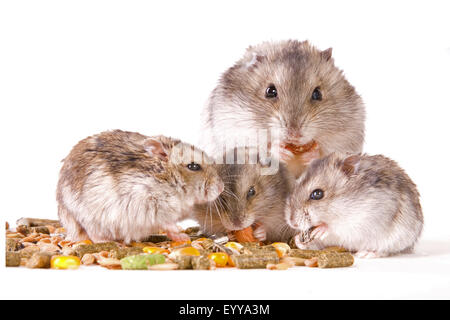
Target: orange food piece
[
  {"x": 220, "y": 258},
  {"x": 65, "y": 262},
  {"x": 179, "y": 243},
  {"x": 245, "y": 235},
  {"x": 281, "y": 248},
  {"x": 152, "y": 250},
  {"x": 296, "y": 149},
  {"x": 84, "y": 242}
]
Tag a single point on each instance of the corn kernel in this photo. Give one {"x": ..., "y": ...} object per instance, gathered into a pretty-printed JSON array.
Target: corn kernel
[
  {"x": 220, "y": 258},
  {"x": 65, "y": 262},
  {"x": 281, "y": 248},
  {"x": 234, "y": 245},
  {"x": 186, "y": 251},
  {"x": 152, "y": 250}
]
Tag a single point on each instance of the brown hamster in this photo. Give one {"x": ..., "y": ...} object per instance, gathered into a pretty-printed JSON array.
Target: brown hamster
[
  {"x": 120, "y": 185},
  {"x": 250, "y": 198},
  {"x": 366, "y": 204},
  {"x": 290, "y": 87}
]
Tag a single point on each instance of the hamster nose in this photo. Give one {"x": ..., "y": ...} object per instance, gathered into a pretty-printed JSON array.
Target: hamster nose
[{"x": 293, "y": 135}]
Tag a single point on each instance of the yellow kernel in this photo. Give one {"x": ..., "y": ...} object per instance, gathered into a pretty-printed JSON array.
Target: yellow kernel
[
  {"x": 84, "y": 242},
  {"x": 65, "y": 262},
  {"x": 234, "y": 245},
  {"x": 281, "y": 248},
  {"x": 152, "y": 250},
  {"x": 220, "y": 258},
  {"x": 186, "y": 251}
]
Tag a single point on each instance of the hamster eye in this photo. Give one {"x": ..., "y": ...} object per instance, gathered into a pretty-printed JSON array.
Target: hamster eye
[
  {"x": 316, "y": 194},
  {"x": 251, "y": 192},
  {"x": 271, "y": 91},
  {"x": 194, "y": 166},
  {"x": 316, "y": 95}
]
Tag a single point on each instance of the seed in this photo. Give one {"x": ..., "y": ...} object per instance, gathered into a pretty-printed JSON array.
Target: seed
[
  {"x": 39, "y": 260},
  {"x": 278, "y": 266},
  {"x": 312, "y": 263},
  {"x": 88, "y": 259},
  {"x": 294, "y": 261},
  {"x": 282, "y": 248},
  {"x": 164, "y": 266}
]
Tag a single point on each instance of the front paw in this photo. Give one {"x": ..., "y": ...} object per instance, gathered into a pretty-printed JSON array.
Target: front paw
[
  {"x": 259, "y": 232},
  {"x": 298, "y": 239},
  {"x": 364, "y": 254},
  {"x": 320, "y": 232}
]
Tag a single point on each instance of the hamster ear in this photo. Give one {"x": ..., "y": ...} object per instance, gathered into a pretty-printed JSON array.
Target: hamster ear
[
  {"x": 252, "y": 59},
  {"x": 350, "y": 166},
  {"x": 155, "y": 148},
  {"x": 326, "y": 54}
]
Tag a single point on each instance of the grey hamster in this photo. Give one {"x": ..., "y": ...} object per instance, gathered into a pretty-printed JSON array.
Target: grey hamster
[
  {"x": 366, "y": 204},
  {"x": 293, "y": 88},
  {"x": 250, "y": 198},
  {"x": 120, "y": 185}
]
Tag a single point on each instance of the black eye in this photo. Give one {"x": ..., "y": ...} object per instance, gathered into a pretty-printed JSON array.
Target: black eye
[
  {"x": 316, "y": 95},
  {"x": 271, "y": 92},
  {"x": 194, "y": 166},
  {"x": 316, "y": 194},
  {"x": 251, "y": 192}
]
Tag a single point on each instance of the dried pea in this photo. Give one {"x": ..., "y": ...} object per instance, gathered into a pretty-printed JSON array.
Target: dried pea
[{"x": 142, "y": 261}]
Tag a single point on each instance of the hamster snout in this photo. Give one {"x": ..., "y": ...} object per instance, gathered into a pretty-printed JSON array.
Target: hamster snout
[{"x": 366, "y": 204}]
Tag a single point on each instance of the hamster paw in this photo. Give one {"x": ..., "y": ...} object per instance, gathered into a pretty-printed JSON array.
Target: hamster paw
[
  {"x": 320, "y": 232},
  {"x": 260, "y": 233},
  {"x": 178, "y": 236},
  {"x": 367, "y": 254}
]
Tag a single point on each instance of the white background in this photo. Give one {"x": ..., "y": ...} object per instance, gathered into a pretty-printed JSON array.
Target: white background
[{"x": 69, "y": 69}]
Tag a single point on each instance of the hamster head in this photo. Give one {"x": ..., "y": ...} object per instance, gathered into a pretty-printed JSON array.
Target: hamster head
[
  {"x": 194, "y": 172},
  {"x": 248, "y": 197},
  {"x": 321, "y": 192},
  {"x": 294, "y": 88}
]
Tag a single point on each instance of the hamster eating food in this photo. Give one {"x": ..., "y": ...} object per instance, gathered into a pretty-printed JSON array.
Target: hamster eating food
[
  {"x": 366, "y": 204},
  {"x": 120, "y": 185},
  {"x": 294, "y": 89},
  {"x": 249, "y": 199}
]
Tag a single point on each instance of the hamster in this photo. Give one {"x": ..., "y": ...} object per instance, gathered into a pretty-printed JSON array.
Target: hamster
[
  {"x": 250, "y": 198},
  {"x": 120, "y": 185},
  {"x": 366, "y": 204},
  {"x": 293, "y": 89}
]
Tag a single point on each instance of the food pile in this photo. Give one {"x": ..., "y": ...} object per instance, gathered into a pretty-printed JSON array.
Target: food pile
[{"x": 40, "y": 243}]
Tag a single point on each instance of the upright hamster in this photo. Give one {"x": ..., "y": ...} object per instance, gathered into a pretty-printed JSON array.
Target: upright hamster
[
  {"x": 250, "y": 198},
  {"x": 294, "y": 89},
  {"x": 366, "y": 204},
  {"x": 120, "y": 185}
]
